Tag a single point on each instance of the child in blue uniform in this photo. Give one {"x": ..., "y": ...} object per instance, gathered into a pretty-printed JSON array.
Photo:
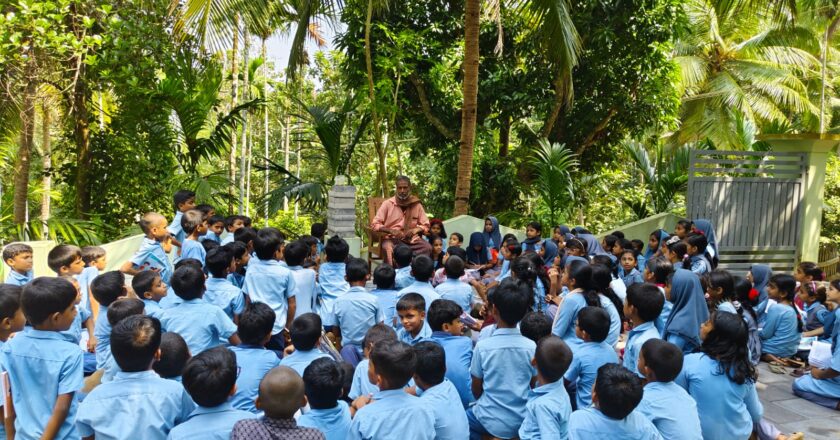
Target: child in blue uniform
[
  {"x": 210, "y": 378},
  {"x": 593, "y": 325},
  {"x": 438, "y": 393},
  {"x": 11, "y": 321},
  {"x": 194, "y": 225},
  {"x": 241, "y": 258},
  {"x": 152, "y": 254},
  {"x": 356, "y": 311},
  {"x": 96, "y": 260},
  {"x": 361, "y": 385},
  {"x": 501, "y": 366},
  {"x": 783, "y": 325},
  {"x": 577, "y": 277},
  {"x": 549, "y": 408},
  {"x": 45, "y": 370},
  {"x": 184, "y": 200},
  {"x": 331, "y": 278},
  {"x": 233, "y": 223},
  {"x": 323, "y": 380},
  {"x": 642, "y": 306},
  {"x": 422, "y": 269},
  {"x": 149, "y": 287},
  {"x": 671, "y": 409},
  {"x": 106, "y": 289},
  {"x": 174, "y": 355},
  {"x": 254, "y": 361},
  {"x": 453, "y": 288},
  {"x": 627, "y": 270},
  {"x": 402, "y": 263},
  {"x": 306, "y": 285},
  {"x": 66, "y": 259},
  {"x": 220, "y": 291},
  {"x": 689, "y": 311},
  {"x": 822, "y": 386},
  {"x": 696, "y": 247},
  {"x": 18, "y": 256},
  {"x": 305, "y": 334},
  {"x": 444, "y": 319},
  {"x": 386, "y": 293},
  {"x": 411, "y": 309},
  {"x": 215, "y": 227}
]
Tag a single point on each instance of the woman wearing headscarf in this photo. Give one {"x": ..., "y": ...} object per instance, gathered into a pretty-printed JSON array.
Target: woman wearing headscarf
[
  {"x": 759, "y": 275},
  {"x": 659, "y": 237},
  {"x": 492, "y": 236},
  {"x": 689, "y": 311},
  {"x": 705, "y": 227},
  {"x": 477, "y": 256}
]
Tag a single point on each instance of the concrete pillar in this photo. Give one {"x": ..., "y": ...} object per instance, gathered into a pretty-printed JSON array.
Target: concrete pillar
[
  {"x": 341, "y": 215},
  {"x": 818, "y": 147}
]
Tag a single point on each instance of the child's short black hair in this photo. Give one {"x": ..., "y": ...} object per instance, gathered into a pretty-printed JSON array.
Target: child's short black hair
[
  {"x": 236, "y": 248},
  {"x": 12, "y": 250},
  {"x": 378, "y": 333},
  {"x": 459, "y": 236},
  {"x": 422, "y": 268},
  {"x": 63, "y": 255},
  {"x": 595, "y": 321},
  {"x": 356, "y": 270},
  {"x": 123, "y": 308},
  {"x": 431, "y": 362},
  {"x": 610, "y": 241},
  {"x": 553, "y": 358},
  {"x": 454, "y": 267},
  {"x": 205, "y": 209},
  {"x": 174, "y": 354},
  {"x": 245, "y": 235},
  {"x": 318, "y": 230},
  {"x": 218, "y": 262},
  {"x": 246, "y": 221},
  {"x": 513, "y": 300},
  {"x": 535, "y": 326},
  {"x": 188, "y": 282},
  {"x": 296, "y": 252},
  {"x": 402, "y": 256},
  {"x": 305, "y": 331},
  {"x": 267, "y": 243},
  {"x": 107, "y": 287},
  {"x": 443, "y": 311},
  {"x": 455, "y": 251},
  {"x": 182, "y": 196},
  {"x": 384, "y": 276},
  {"x": 191, "y": 262},
  {"x": 663, "y": 358},
  {"x": 44, "y": 296},
  {"x": 9, "y": 300},
  {"x": 661, "y": 268},
  {"x": 231, "y": 219},
  {"x": 618, "y": 234},
  {"x": 215, "y": 219},
  {"x": 323, "y": 382},
  {"x": 395, "y": 361},
  {"x": 210, "y": 376},
  {"x": 638, "y": 245},
  {"x": 603, "y": 260},
  {"x": 647, "y": 299},
  {"x": 209, "y": 245},
  {"x": 92, "y": 253},
  {"x": 619, "y": 391},
  {"x": 191, "y": 220},
  {"x": 411, "y": 301},
  {"x": 134, "y": 342},
  {"x": 255, "y": 323},
  {"x": 336, "y": 249}
]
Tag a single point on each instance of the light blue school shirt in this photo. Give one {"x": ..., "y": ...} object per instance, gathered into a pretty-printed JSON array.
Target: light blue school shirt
[
  {"x": 84, "y": 279},
  {"x": 403, "y": 278},
  {"x": 171, "y": 299},
  {"x": 635, "y": 339},
  {"x": 236, "y": 279},
  {"x": 459, "y": 352},
  {"x": 152, "y": 308},
  {"x": 269, "y": 282},
  {"x": 355, "y": 313},
  {"x": 615, "y": 320},
  {"x": 222, "y": 293},
  {"x": 388, "y": 304},
  {"x": 361, "y": 385},
  {"x": 727, "y": 410},
  {"x": 203, "y": 326},
  {"x": 175, "y": 228},
  {"x": 450, "y": 417},
  {"x": 151, "y": 256},
  {"x": 333, "y": 422},
  {"x": 824, "y": 387},
  {"x": 134, "y": 405},
  {"x": 102, "y": 331},
  {"x": 667, "y": 306},
  {"x": 2, "y": 368},
  {"x": 393, "y": 414},
  {"x": 333, "y": 286},
  {"x": 700, "y": 265},
  {"x": 564, "y": 321},
  {"x": 503, "y": 361},
  {"x": 210, "y": 235},
  {"x": 16, "y": 278},
  {"x": 306, "y": 290},
  {"x": 193, "y": 249},
  {"x": 300, "y": 359},
  {"x": 42, "y": 365},
  {"x": 634, "y": 277},
  {"x": 209, "y": 423},
  {"x": 74, "y": 333},
  {"x": 424, "y": 334},
  {"x": 588, "y": 358},
  {"x": 424, "y": 288},
  {"x": 727, "y": 306},
  {"x": 456, "y": 290},
  {"x": 252, "y": 364},
  {"x": 592, "y": 424},
  {"x": 780, "y": 335},
  {"x": 547, "y": 413},
  {"x": 672, "y": 410}
]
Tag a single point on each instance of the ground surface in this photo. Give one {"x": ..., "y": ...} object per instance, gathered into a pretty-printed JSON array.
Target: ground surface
[{"x": 792, "y": 414}]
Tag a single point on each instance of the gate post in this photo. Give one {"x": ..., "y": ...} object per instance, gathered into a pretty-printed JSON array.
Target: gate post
[{"x": 817, "y": 147}]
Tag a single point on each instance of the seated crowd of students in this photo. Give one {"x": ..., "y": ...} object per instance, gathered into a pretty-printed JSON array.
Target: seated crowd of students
[{"x": 248, "y": 336}]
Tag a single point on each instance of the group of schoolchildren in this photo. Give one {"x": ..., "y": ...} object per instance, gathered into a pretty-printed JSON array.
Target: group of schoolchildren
[{"x": 248, "y": 336}]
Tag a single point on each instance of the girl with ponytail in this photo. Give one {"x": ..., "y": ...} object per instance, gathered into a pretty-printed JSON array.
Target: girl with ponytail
[
  {"x": 783, "y": 325},
  {"x": 577, "y": 277}
]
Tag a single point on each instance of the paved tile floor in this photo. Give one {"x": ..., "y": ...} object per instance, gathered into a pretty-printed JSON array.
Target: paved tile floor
[{"x": 792, "y": 414}]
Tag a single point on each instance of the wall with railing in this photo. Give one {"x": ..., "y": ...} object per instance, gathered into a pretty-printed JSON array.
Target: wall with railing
[{"x": 829, "y": 260}]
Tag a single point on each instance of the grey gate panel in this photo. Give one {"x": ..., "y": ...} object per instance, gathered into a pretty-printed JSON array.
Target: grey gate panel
[{"x": 753, "y": 200}]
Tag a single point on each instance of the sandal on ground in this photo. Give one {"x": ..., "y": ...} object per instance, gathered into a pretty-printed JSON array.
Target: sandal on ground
[
  {"x": 798, "y": 372},
  {"x": 793, "y": 363},
  {"x": 778, "y": 369}
]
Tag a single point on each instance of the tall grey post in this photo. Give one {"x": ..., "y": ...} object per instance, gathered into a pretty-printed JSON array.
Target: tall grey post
[{"x": 341, "y": 215}]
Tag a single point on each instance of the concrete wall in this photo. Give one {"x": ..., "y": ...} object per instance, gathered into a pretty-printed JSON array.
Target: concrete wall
[{"x": 641, "y": 229}]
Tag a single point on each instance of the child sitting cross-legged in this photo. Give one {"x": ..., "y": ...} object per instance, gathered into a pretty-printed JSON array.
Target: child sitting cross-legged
[
  {"x": 323, "y": 383},
  {"x": 548, "y": 409},
  {"x": 593, "y": 325},
  {"x": 391, "y": 412},
  {"x": 411, "y": 309},
  {"x": 642, "y": 305},
  {"x": 306, "y": 332},
  {"x": 422, "y": 269},
  {"x": 306, "y": 284},
  {"x": 174, "y": 355},
  {"x": 361, "y": 385},
  {"x": 615, "y": 395},
  {"x": 254, "y": 361},
  {"x": 438, "y": 393},
  {"x": 444, "y": 319},
  {"x": 137, "y": 403},
  {"x": 210, "y": 378},
  {"x": 331, "y": 278},
  {"x": 453, "y": 288},
  {"x": 386, "y": 293},
  {"x": 356, "y": 311},
  {"x": 281, "y": 396}
]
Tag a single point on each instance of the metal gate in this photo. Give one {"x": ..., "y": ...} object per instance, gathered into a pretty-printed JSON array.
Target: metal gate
[{"x": 753, "y": 199}]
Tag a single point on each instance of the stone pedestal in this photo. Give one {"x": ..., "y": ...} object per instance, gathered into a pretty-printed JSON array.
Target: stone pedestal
[
  {"x": 341, "y": 215},
  {"x": 818, "y": 147}
]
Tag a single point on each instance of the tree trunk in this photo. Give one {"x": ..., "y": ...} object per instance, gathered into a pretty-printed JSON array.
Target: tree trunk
[
  {"x": 468, "y": 113},
  {"x": 504, "y": 136},
  {"x": 46, "y": 179},
  {"x": 286, "y": 144},
  {"x": 246, "y": 95},
  {"x": 27, "y": 134},
  {"x": 81, "y": 135},
  {"x": 265, "y": 124},
  {"x": 377, "y": 135},
  {"x": 234, "y": 101}
]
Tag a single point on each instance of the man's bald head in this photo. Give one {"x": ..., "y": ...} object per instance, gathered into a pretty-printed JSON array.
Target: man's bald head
[{"x": 281, "y": 393}]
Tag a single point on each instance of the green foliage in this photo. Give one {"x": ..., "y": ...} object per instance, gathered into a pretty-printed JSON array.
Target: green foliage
[
  {"x": 831, "y": 212},
  {"x": 553, "y": 165},
  {"x": 661, "y": 172},
  {"x": 292, "y": 227}
]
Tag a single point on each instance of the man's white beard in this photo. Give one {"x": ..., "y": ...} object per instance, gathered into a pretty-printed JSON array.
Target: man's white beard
[{"x": 402, "y": 197}]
